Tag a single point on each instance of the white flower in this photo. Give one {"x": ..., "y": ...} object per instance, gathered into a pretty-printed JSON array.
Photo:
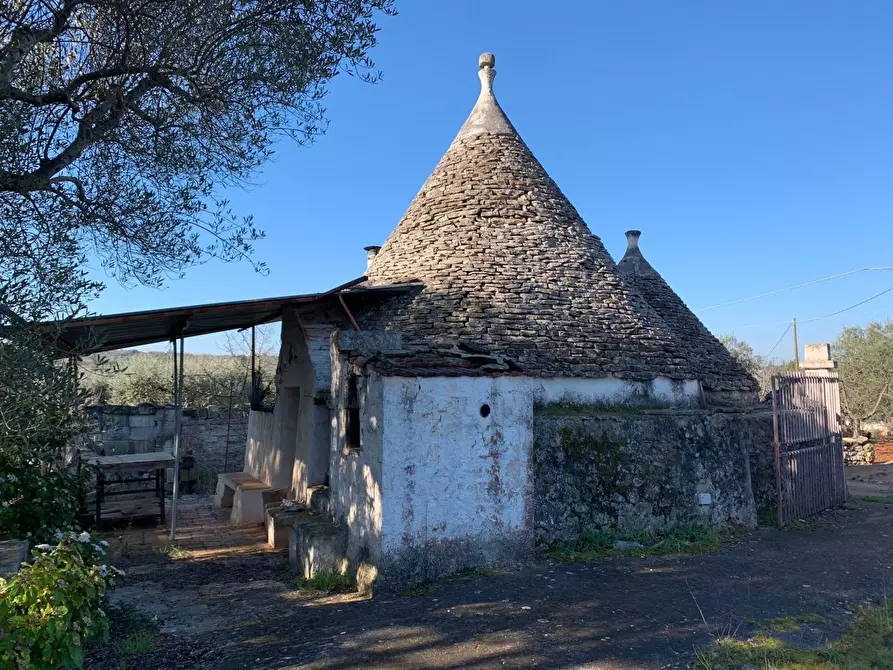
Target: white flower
[
  {"x": 103, "y": 570},
  {"x": 98, "y": 549},
  {"x": 43, "y": 547},
  {"x": 84, "y": 537},
  {"x": 119, "y": 571},
  {"x": 103, "y": 543},
  {"x": 87, "y": 620},
  {"x": 58, "y": 534},
  {"x": 12, "y": 478}
]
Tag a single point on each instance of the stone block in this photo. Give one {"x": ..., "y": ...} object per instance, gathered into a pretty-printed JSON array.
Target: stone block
[
  {"x": 316, "y": 544},
  {"x": 115, "y": 447},
  {"x": 12, "y": 554},
  {"x": 142, "y": 421},
  {"x": 319, "y": 501}
]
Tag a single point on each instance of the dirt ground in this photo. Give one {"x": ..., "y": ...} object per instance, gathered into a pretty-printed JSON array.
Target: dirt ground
[
  {"x": 870, "y": 480},
  {"x": 242, "y": 610}
]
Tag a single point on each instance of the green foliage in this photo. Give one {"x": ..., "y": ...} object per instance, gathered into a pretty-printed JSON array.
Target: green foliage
[
  {"x": 53, "y": 605},
  {"x": 760, "y": 367},
  {"x": 329, "y": 581},
  {"x": 34, "y": 502},
  {"x": 116, "y": 141},
  {"x": 40, "y": 417},
  {"x": 682, "y": 539},
  {"x": 865, "y": 647},
  {"x": 209, "y": 380},
  {"x": 865, "y": 362}
]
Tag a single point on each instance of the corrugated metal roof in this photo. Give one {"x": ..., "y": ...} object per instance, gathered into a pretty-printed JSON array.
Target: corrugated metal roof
[{"x": 108, "y": 332}]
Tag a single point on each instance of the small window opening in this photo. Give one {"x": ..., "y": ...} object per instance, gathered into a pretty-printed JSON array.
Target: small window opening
[
  {"x": 485, "y": 410},
  {"x": 352, "y": 413}
]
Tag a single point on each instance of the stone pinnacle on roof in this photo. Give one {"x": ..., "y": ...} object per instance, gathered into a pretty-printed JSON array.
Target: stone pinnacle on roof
[
  {"x": 716, "y": 367},
  {"x": 487, "y": 116},
  {"x": 507, "y": 263}
]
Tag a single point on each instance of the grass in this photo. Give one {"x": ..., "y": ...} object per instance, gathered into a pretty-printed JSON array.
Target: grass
[
  {"x": 876, "y": 499},
  {"x": 132, "y": 634},
  {"x": 141, "y": 642},
  {"x": 431, "y": 587},
  {"x": 175, "y": 552},
  {"x": 328, "y": 581},
  {"x": 789, "y": 624},
  {"x": 423, "y": 589},
  {"x": 767, "y": 515},
  {"x": 866, "y": 647},
  {"x": 683, "y": 539},
  {"x": 802, "y": 524}
]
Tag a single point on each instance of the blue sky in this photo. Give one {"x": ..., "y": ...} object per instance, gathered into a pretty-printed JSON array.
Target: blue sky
[{"x": 751, "y": 142}]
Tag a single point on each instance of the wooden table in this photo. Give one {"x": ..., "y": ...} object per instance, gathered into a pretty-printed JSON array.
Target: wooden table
[{"x": 139, "y": 502}]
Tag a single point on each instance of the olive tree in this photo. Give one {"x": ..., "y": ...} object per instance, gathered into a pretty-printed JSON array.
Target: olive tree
[
  {"x": 120, "y": 119},
  {"x": 865, "y": 361}
]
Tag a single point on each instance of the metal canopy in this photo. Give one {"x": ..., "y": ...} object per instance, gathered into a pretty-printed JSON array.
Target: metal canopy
[{"x": 95, "y": 334}]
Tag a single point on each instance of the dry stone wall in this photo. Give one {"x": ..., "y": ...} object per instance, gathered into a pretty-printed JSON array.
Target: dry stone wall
[
  {"x": 120, "y": 429},
  {"x": 648, "y": 469}
]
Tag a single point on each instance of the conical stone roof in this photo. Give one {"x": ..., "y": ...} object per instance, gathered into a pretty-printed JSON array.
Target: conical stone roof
[
  {"x": 714, "y": 365},
  {"x": 506, "y": 262}
]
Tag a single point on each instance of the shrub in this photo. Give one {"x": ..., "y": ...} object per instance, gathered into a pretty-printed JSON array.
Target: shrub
[
  {"x": 50, "y": 607},
  {"x": 34, "y": 501}
]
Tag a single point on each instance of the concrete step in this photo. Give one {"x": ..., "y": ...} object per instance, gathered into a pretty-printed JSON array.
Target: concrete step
[{"x": 279, "y": 519}]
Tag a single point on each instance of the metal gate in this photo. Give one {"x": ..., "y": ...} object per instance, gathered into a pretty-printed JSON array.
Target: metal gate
[{"x": 808, "y": 449}]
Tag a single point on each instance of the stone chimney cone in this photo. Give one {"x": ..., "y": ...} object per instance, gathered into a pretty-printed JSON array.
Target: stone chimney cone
[{"x": 632, "y": 239}]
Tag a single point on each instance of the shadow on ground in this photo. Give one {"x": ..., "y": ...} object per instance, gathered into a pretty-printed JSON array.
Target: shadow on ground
[{"x": 615, "y": 613}]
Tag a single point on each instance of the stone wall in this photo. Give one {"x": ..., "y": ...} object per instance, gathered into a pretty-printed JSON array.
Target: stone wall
[
  {"x": 858, "y": 452},
  {"x": 644, "y": 469},
  {"x": 119, "y": 429}
]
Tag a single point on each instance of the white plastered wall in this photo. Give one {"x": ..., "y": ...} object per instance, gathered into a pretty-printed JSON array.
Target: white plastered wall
[{"x": 433, "y": 471}]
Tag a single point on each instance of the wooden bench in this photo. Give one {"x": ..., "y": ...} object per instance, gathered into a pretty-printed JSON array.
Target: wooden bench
[{"x": 246, "y": 495}]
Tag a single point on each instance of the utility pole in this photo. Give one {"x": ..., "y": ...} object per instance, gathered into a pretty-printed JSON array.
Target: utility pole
[{"x": 796, "y": 346}]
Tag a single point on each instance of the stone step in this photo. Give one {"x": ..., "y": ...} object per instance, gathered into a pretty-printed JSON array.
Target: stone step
[
  {"x": 279, "y": 519},
  {"x": 316, "y": 544}
]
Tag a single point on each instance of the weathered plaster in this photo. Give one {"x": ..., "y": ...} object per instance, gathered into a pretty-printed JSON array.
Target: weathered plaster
[
  {"x": 259, "y": 452},
  {"x": 456, "y": 484},
  {"x": 355, "y": 474},
  {"x": 613, "y": 391},
  {"x": 301, "y": 420}
]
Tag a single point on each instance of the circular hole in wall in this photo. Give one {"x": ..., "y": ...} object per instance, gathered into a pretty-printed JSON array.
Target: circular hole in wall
[{"x": 485, "y": 410}]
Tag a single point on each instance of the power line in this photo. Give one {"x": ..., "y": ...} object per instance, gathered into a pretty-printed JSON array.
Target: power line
[
  {"x": 779, "y": 340},
  {"x": 847, "y": 309},
  {"x": 792, "y": 288}
]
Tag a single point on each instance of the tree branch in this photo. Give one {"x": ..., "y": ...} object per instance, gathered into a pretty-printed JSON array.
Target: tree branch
[{"x": 877, "y": 404}]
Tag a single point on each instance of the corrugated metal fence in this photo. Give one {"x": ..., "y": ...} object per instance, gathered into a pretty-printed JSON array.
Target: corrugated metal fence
[{"x": 808, "y": 447}]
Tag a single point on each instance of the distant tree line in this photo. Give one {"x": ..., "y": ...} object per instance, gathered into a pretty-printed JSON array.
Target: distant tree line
[
  {"x": 208, "y": 380},
  {"x": 864, "y": 355}
]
